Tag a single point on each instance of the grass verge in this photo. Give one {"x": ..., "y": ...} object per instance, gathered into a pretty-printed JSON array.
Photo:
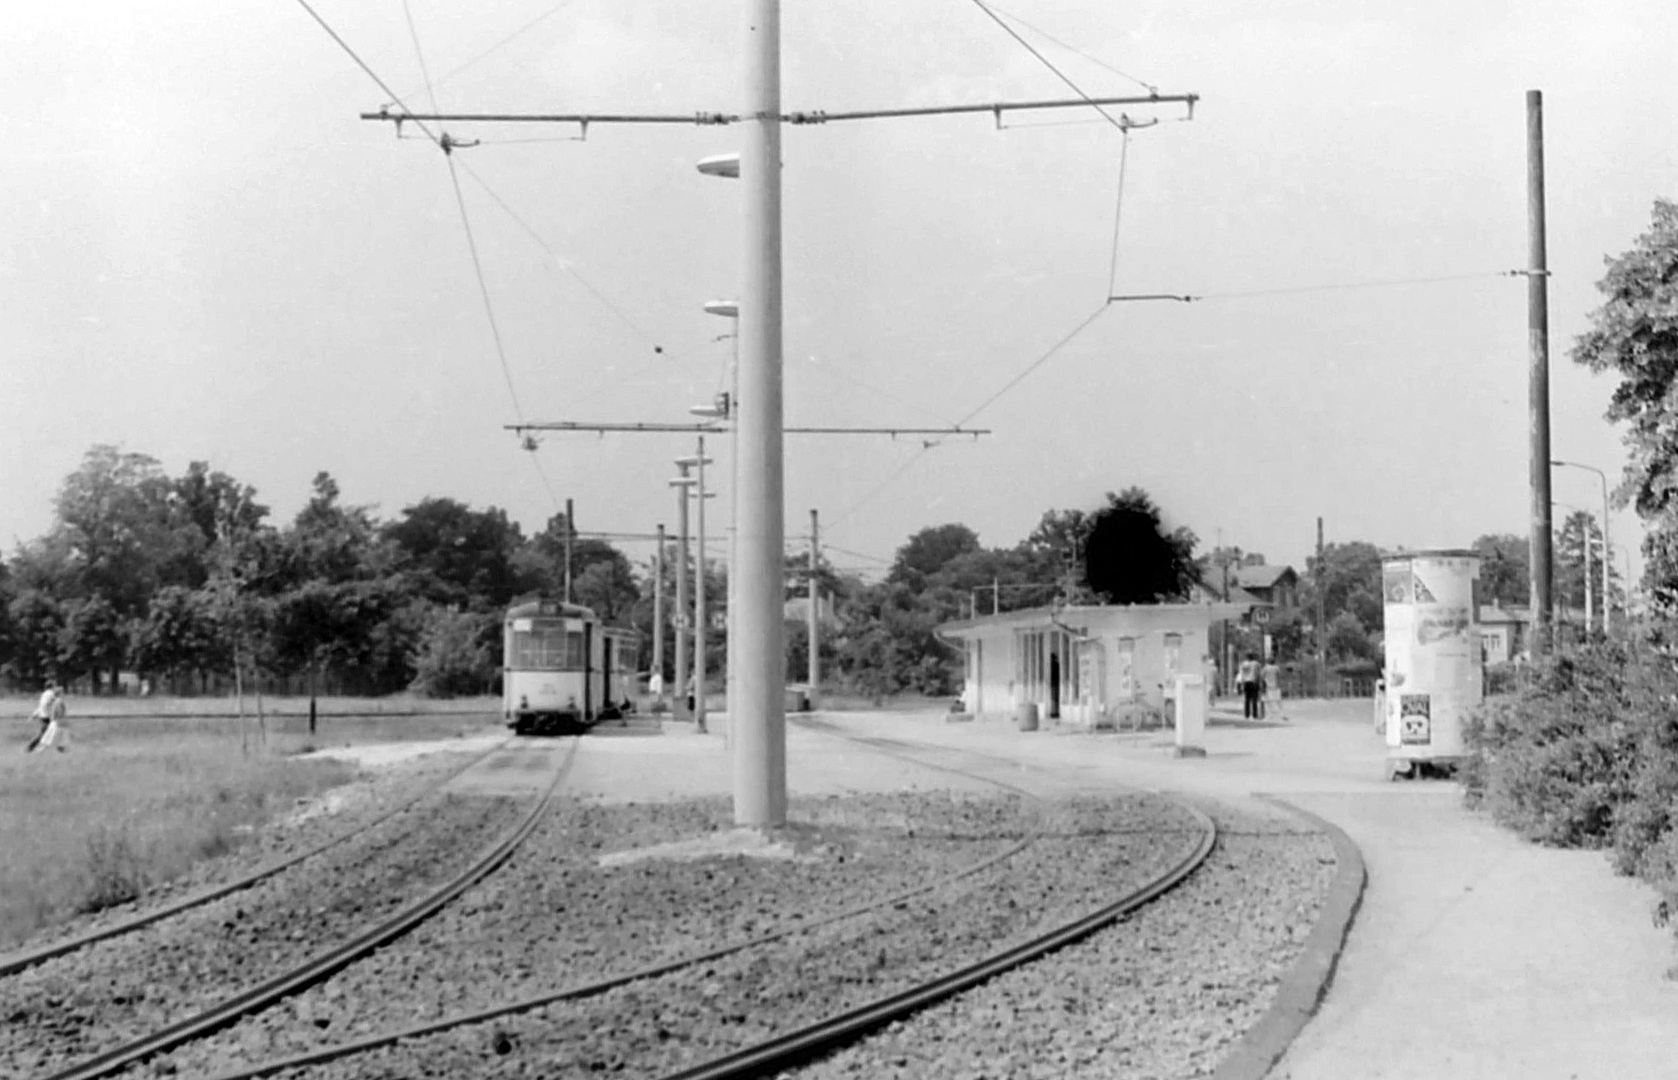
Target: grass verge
[{"x": 139, "y": 799}]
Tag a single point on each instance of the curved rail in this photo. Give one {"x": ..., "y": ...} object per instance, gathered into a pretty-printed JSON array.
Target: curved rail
[
  {"x": 801, "y": 1044},
  {"x": 755, "y": 1060},
  {"x": 600, "y": 986},
  {"x": 322, "y": 964},
  {"x": 16, "y": 962}
]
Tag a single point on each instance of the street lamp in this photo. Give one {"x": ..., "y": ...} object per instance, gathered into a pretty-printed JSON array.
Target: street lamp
[{"x": 1600, "y": 475}]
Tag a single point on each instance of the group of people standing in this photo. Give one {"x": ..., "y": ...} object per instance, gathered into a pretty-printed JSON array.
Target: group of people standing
[
  {"x": 49, "y": 713},
  {"x": 1261, "y": 686}
]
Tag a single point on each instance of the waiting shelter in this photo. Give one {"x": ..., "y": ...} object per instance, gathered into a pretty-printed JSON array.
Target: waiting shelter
[{"x": 1082, "y": 664}]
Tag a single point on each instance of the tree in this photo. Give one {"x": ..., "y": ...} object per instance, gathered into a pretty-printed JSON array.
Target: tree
[
  {"x": 461, "y": 555},
  {"x": 927, "y": 551},
  {"x": 118, "y": 529},
  {"x": 212, "y": 502},
  {"x": 93, "y": 639},
  {"x": 1505, "y": 569},
  {"x": 456, "y": 653},
  {"x": 1349, "y": 640},
  {"x": 1578, "y": 529},
  {"x": 36, "y": 618},
  {"x": 180, "y": 634},
  {"x": 1350, "y": 579},
  {"x": 1635, "y": 333},
  {"x": 1129, "y": 558}
]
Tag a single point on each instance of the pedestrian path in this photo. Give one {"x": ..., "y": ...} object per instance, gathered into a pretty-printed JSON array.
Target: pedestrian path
[{"x": 1475, "y": 955}]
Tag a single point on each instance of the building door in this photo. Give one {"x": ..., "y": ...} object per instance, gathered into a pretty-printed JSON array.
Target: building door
[{"x": 1054, "y": 684}]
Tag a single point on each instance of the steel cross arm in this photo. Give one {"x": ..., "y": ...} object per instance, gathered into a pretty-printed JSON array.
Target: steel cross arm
[
  {"x": 812, "y": 117},
  {"x": 577, "y": 425}
]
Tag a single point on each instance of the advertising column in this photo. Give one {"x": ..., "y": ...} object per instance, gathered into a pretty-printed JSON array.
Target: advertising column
[{"x": 1433, "y": 662}]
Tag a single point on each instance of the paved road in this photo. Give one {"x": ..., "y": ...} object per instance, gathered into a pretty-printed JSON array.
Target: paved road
[{"x": 1475, "y": 955}]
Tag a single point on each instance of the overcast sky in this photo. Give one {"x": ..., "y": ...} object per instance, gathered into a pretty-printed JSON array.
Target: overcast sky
[{"x": 205, "y": 254}]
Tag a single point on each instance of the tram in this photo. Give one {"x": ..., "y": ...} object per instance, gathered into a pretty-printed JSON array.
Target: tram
[{"x": 562, "y": 669}]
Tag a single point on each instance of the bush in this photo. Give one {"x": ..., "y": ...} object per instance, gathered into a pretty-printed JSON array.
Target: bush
[
  {"x": 455, "y": 656},
  {"x": 1585, "y": 754}
]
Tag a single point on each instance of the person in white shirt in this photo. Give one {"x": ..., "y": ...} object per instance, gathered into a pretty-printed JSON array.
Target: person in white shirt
[
  {"x": 1247, "y": 676},
  {"x": 48, "y": 712}
]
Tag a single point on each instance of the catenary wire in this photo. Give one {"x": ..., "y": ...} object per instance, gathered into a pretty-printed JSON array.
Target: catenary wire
[
  {"x": 1118, "y": 211},
  {"x": 1040, "y": 32},
  {"x": 563, "y": 264},
  {"x": 1046, "y": 62},
  {"x": 850, "y": 511},
  {"x": 425, "y": 71},
  {"x": 371, "y": 74},
  {"x": 838, "y": 373},
  {"x": 459, "y": 201},
  {"x": 508, "y": 40}
]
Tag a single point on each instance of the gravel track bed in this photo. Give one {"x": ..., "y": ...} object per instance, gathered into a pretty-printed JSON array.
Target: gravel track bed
[
  {"x": 1092, "y": 850},
  {"x": 340, "y": 810},
  {"x": 115, "y": 991},
  {"x": 554, "y": 916},
  {"x": 1162, "y": 995}
]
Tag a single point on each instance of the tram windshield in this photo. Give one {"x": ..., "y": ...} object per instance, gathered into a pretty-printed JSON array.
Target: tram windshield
[{"x": 546, "y": 648}]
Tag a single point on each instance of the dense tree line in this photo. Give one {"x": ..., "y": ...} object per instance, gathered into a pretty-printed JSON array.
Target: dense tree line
[{"x": 185, "y": 581}]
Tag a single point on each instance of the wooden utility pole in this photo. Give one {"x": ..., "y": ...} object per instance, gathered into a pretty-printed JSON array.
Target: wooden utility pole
[
  {"x": 814, "y": 624},
  {"x": 658, "y": 612},
  {"x": 1322, "y": 626},
  {"x": 1538, "y": 380},
  {"x": 570, "y": 531},
  {"x": 678, "y": 705}
]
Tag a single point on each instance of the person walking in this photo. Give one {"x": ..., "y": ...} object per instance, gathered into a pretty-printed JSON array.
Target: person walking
[
  {"x": 1247, "y": 677},
  {"x": 1271, "y": 679},
  {"x": 48, "y": 712}
]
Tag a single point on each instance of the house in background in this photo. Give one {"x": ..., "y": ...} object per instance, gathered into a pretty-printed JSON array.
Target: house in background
[
  {"x": 1504, "y": 633},
  {"x": 1277, "y": 586}
]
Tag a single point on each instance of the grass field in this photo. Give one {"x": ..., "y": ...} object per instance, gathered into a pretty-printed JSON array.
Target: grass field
[{"x": 147, "y": 789}]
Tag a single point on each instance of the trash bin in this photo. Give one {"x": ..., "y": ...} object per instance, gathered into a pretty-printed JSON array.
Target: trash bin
[{"x": 1025, "y": 714}]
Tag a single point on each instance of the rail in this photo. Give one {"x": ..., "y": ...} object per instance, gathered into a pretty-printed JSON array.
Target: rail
[{"x": 322, "y": 964}]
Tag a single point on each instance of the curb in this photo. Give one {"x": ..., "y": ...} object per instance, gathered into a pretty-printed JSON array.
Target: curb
[{"x": 1307, "y": 982}]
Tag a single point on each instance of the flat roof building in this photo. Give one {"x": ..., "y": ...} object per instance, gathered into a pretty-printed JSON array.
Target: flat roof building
[{"x": 1082, "y": 664}]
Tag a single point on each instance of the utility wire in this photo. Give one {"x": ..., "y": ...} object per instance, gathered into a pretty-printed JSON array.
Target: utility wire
[
  {"x": 483, "y": 289},
  {"x": 471, "y": 243},
  {"x": 561, "y": 263},
  {"x": 509, "y": 39},
  {"x": 982, "y": 406},
  {"x": 1034, "y": 365},
  {"x": 1338, "y": 286},
  {"x": 1040, "y": 32},
  {"x": 836, "y": 372},
  {"x": 413, "y": 33},
  {"x": 1046, "y": 62},
  {"x": 1118, "y": 210},
  {"x": 371, "y": 74}
]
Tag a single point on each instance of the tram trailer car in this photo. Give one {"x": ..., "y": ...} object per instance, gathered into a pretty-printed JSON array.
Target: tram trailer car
[{"x": 563, "y": 671}]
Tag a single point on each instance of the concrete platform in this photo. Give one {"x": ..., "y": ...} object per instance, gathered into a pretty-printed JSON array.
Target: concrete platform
[{"x": 1475, "y": 954}]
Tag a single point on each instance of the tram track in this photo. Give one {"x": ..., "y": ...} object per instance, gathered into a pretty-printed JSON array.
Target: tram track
[
  {"x": 22, "y": 959},
  {"x": 52, "y": 1016},
  {"x": 602, "y": 1001}
]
